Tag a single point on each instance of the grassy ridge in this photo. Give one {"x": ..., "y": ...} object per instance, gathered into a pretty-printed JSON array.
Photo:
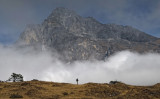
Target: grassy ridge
[{"x": 52, "y": 90}]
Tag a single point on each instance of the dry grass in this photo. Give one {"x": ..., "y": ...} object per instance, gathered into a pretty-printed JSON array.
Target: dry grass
[{"x": 52, "y": 90}]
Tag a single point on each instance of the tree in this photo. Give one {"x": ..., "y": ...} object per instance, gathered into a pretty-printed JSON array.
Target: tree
[{"x": 16, "y": 77}]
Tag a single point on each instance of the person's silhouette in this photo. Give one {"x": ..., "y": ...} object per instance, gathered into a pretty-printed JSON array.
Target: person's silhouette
[{"x": 77, "y": 81}]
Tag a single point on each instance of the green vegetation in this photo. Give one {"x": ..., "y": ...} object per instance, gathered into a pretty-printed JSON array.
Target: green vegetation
[
  {"x": 16, "y": 95},
  {"x": 16, "y": 77}
]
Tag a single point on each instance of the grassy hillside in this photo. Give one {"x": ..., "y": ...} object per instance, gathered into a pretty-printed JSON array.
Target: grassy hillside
[{"x": 52, "y": 90}]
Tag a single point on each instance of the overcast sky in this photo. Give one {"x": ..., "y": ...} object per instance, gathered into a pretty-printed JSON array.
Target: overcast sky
[{"x": 16, "y": 14}]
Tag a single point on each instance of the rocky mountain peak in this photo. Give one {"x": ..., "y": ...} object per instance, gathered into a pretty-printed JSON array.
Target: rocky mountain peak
[
  {"x": 62, "y": 15},
  {"x": 63, "y": 12},
  {"x": 79, "y": 38}
]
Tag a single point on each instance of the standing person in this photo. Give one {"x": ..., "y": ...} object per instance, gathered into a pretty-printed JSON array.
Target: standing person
[{"x": 77, "y": 81}]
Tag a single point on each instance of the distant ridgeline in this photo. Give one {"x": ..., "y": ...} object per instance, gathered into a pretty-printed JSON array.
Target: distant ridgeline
[{"x": 77, "y": 38}]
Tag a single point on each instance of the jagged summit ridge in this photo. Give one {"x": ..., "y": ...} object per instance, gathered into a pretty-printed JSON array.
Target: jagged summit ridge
[
  {"x": 72, "y": 22},
  {"x": 78, "y": 38},
  {"x": 62, "y": 15},
  {"x": 61, "y": 12}
]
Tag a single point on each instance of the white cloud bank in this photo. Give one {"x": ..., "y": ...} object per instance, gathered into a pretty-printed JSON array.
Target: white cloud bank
[{"x": 125, "y": 66}]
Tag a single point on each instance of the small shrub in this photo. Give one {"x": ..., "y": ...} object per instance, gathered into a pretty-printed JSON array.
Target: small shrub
[
  {"x": 72, "y": 93},
  {"x": 16, "y": 96},
  {"x": 35, "y": 80},
  {"x": 114, "y": 82},
  {"x": 32, "y": 92},
  {"x": 25, "y": 84},
  {"x": 1, "y": 81},
  {"x": 65, "y": 93}
]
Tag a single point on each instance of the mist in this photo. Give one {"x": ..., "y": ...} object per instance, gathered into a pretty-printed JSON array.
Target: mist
[{"x": 125, "y": 66}]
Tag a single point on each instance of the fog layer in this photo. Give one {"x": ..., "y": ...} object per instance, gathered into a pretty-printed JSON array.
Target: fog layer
[{"x": 128, "y": 67}]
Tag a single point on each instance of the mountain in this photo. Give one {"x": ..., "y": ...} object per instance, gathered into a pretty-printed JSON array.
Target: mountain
[{"x": 81, "y": 38}]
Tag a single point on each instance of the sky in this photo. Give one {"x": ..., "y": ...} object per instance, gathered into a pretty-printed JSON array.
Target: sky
[
  {"x": 16, "y": 14},
  {"x": 128, "y": 67}
]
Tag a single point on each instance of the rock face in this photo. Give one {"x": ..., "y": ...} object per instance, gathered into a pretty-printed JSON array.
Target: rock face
[{"x": 78, "y": 38}]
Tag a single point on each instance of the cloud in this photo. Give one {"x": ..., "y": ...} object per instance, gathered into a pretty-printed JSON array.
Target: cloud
[{"x": 128, "y": 67}]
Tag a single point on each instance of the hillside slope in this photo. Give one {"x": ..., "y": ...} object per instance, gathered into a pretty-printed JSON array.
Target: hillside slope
[
  {"x": 78, "y": 38},
  {"x": 52, "y": 90}
]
